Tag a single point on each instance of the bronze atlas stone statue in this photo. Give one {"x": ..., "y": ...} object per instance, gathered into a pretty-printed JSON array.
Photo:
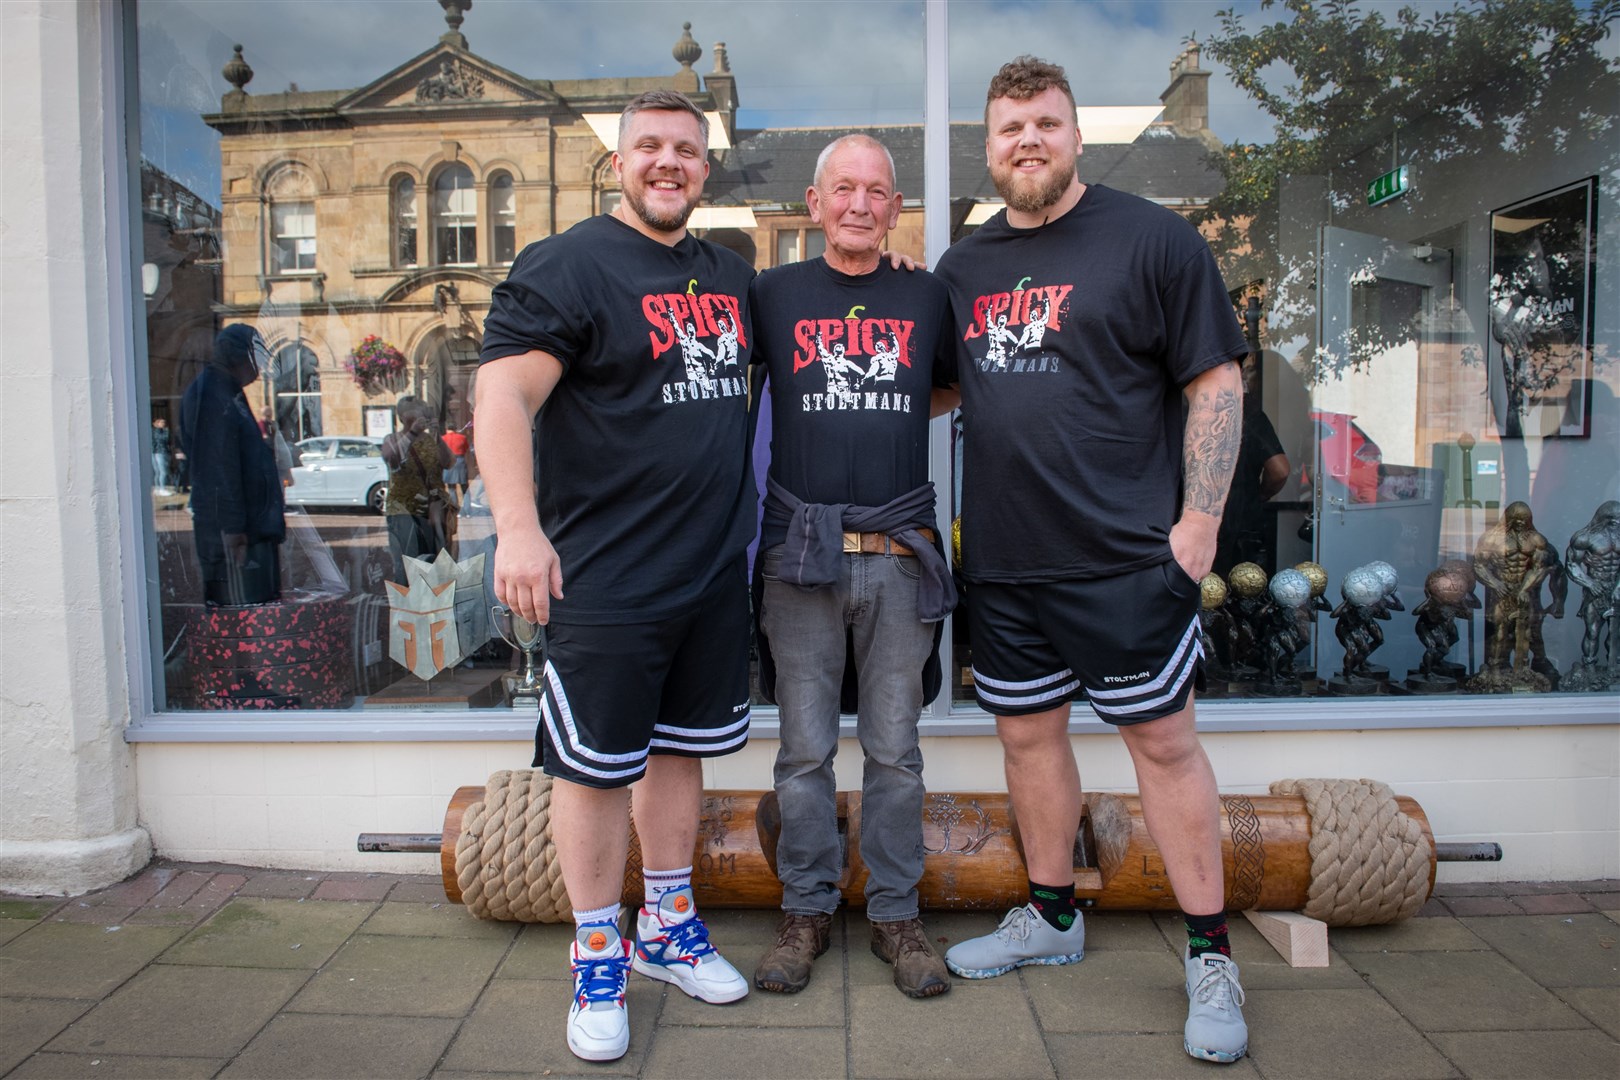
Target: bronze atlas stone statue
[{"x": 1448, "y": 595}]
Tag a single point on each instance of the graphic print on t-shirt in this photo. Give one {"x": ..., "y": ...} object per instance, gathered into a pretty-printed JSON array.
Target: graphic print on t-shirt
[
  {"x": 839, "y": 346},
  {"x": 1007, "y": 333},
  {"x": 707, "y": 330}
]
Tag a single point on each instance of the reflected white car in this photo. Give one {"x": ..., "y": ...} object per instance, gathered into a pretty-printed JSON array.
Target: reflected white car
[{"x": 340, "y": 470}]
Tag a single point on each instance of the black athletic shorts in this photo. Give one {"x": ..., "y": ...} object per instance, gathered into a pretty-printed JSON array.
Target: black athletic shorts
[
  {"x": 615, "y": 694},
  {"x": 1127, "y": 644}
]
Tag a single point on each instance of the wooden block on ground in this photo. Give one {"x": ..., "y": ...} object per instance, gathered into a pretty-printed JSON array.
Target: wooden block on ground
[{"x": 1301, "y": 940}]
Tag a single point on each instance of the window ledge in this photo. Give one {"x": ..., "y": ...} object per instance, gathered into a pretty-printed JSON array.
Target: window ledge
[{"x": 501, "y": 725}]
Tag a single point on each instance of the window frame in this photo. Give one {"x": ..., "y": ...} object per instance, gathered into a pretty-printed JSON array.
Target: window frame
[
  {"x": 464, "y": 220},
  {"x": 276, "y": 249}
]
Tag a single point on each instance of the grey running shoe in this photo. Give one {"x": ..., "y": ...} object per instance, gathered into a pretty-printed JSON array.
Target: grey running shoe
[
  {"x": 1022, "y": 938},
  {"x": 1215, "y": 1030}
]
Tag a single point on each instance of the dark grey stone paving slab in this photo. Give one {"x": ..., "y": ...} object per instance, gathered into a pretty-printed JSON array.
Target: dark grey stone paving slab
[
  {"x": 1599, "y": 1004},
  {"x": 973, "y": 1031},
  {"x": 294, "y": 1047},
  {"x": 1333, "y": 1034},
  {"x": 1108, "y": 992},
  {"x": 114, "y": 1067},
  {"x": 182, "y": 1011},
  {"x": 30, "y": 1023},
  {"x": 1521, "y": 1055},
  {"x": 104, "y": 915},
  {"x": 27, "y": 909},
  {"x": 402, "y": 976},
  {"x": 10, "y": 928},
  {"x": 519, "y": 1026},
  {"x": 1412, "y": 935},
  {"x": 280, "y": 885},
  {"x": 1157, "y": 1055},
  {"x": 270, "y": 934},
  {"x": 435, "y": 920},
  {"x": 821, "y": 1004},
  {"x": 763, "y": 1054},
  {"x": 1557, "y": 950},
  {"x": 71, "y": 961},
  {"x": 1464, "y": 991},
  {"x": 541, "y": 952}
]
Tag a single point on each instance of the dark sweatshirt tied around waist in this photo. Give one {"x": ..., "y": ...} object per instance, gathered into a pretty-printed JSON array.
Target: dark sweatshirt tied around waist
[{"x": 813, "y": 548}]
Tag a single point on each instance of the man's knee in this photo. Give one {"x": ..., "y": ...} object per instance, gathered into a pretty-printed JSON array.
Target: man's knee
[
  {"x": 1038, "y": 733},
  {"x": 1167, "y": 741}
]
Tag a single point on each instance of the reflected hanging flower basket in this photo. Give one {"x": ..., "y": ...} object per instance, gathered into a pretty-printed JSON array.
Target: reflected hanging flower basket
[{"x": 374, "y": 364}]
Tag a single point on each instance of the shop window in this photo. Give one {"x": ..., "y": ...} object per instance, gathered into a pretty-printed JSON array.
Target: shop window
[
  {"x": 503, "y": 218},
  {"x": 455, "y": 217},
  {"x": 404, "y": 215}
]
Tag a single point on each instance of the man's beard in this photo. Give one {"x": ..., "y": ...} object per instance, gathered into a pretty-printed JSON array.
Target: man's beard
[
  {"x": 1028, "y": 197},
  {"x": 653, "y": 219}
]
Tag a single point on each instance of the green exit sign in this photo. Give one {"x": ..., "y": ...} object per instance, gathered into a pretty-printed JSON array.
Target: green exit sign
[{"x": 1392, "y": 185}]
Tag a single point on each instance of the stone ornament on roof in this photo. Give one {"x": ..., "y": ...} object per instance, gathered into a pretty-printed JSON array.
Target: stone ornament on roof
[
  {"x": 453, "y": 16},
  {"x": 454, "y": 82},
  {"x": 687, "y": 51}
]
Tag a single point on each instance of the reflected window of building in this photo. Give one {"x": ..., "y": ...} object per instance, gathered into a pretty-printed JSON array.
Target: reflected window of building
[
  {"x": 503, "y": 218},
  {"x": 404, "y": 213},
  {"x": 798, "y": 245},
  {"x": 455, "y": 217},
  {"x": 296, "y": 383},
  {"x": 292, "y": 236}
]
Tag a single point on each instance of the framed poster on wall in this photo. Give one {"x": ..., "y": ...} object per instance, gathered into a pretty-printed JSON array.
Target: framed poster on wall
[
  {"x": 1543, "y": 250},
  {"x": 379, "y": 420}
]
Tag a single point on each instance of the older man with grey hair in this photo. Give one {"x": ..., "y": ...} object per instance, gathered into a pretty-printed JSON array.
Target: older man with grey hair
[{"x": 854, "y": 579}]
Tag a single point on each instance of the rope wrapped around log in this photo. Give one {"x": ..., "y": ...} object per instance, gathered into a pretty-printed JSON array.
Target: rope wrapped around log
[
  {"x": 506, "y": 863},
  {"x": 1371, "y": 863}
]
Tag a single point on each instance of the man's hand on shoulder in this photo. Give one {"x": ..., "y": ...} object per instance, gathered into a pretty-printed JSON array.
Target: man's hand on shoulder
[
  {"x": 901, "y": 261},
  {"x": 527, "y": 573},
  {"x": 1192, "y": 542}
]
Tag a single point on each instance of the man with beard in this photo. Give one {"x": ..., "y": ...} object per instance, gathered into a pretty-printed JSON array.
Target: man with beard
[
  {"x": 645, "y": 513},
  {"x": 1070, "y": 518}
]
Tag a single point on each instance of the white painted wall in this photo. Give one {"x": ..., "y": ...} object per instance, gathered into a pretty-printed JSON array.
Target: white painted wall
[
  {"x": 67, "y": 806},
  {"x": 1549, "y": 795}
]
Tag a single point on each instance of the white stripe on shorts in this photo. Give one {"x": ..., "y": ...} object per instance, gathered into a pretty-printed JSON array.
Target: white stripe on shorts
[
  {"x": 1188, "y": 663},
  {"x": 702, "y": 747},
  {"x": 565, "y": 738},
  {"x": 1189, "y": 638},
  {"x": 1046, "y": 697}
]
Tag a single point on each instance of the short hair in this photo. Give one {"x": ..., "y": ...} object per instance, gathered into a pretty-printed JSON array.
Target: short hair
[
  {"x": 853, "y": 139},
  {"x": 1024, "y": 78},
  {"x": 663, "y": 101}
]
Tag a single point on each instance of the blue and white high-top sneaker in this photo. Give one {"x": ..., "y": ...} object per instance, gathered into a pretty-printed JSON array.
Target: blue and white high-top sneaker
[
  {"x": 598, "y": 1025},
  {"x": 672, "y": 945}
]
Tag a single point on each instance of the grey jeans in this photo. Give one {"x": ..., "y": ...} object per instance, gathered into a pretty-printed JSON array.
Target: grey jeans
[{"x": 875, "y": 596}]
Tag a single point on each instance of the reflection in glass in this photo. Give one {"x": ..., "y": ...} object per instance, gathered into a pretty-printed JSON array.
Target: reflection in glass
[
  {"x": 503, "y": 214},
  {"x": 455, "y": 216},
  {"x": 405, "y": 221}
]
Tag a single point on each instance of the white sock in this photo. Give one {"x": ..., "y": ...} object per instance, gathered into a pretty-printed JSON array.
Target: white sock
[
  {"x": 655, "y": 883},
  {"x": 597, "y": 916}
]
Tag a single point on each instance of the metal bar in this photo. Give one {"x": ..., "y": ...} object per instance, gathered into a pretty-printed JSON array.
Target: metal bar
[
  {"x": 398, "y": 841},
  {"x": 1481, "y": 852}
]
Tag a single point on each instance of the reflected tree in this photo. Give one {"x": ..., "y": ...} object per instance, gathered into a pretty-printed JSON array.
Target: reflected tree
[{"x": 1487, "y": 84}]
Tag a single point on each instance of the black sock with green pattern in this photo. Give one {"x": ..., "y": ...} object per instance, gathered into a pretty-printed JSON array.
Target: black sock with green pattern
[
  {"x": 1055, "y": 903},
  {"x": 1207, "y": 934}
]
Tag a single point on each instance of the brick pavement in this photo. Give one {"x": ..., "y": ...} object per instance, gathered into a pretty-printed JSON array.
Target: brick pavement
[{"x": 209, "y": 970}]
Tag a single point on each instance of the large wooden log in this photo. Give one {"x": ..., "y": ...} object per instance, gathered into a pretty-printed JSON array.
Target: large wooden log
[{"x": 973, "y": 857}]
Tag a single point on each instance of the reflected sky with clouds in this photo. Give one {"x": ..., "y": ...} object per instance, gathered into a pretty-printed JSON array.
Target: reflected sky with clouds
[{"x": 797, "y": 64}]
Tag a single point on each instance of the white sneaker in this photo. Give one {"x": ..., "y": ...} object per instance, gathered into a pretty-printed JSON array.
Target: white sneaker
[
  {"x": 672, "y": 945},
  {"x": 1215, "y": 1029},
  {"x": 1023, "y": 937},
  {"x": 598, "y": 1025}
]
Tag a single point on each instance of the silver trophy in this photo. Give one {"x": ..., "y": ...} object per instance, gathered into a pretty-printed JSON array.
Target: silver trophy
[{"x": 522, "y": 688}]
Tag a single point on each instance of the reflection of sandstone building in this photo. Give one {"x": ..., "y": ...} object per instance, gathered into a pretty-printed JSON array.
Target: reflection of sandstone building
[
  {"x": 394, "y": 208},
  {"x": 180, "y": 284}
]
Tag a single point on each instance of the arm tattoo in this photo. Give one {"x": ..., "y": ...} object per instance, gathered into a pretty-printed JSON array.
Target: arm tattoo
[{"x": 1210, "y": 451}]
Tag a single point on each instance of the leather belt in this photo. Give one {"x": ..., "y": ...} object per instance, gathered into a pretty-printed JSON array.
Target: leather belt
[{"x": 879, "y": 543}]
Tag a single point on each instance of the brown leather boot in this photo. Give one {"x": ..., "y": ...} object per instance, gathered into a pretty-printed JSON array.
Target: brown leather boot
[
  {"x": 918, "y": 970},
  {"x": 785, "y": 969}
]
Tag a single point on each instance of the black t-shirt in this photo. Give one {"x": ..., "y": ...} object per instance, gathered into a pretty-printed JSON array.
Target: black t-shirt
[
  {"x": 1076, "y": 338},
  {"x": 851, "y": 361},
  {"x": 645, "y": 488}
]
